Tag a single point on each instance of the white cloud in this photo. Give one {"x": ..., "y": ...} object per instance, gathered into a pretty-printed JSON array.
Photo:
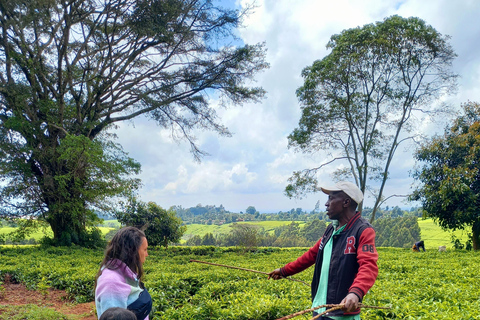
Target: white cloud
[{"x": 253, "y": 166}]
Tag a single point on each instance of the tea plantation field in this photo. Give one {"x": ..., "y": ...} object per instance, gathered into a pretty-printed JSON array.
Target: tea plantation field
[
  {"x": 430, "y": 285},
  {"x": 431, "y": 233}
]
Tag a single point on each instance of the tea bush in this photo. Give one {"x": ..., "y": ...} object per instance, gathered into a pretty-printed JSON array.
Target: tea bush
[{"x": 421, "y": 285}]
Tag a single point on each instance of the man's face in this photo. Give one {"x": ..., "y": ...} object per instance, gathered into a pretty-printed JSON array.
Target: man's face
[{"x": 335, "y": 204}]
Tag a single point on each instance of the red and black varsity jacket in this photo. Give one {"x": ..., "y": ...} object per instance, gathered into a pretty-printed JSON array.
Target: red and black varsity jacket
[{"x": 353, "y": 265}]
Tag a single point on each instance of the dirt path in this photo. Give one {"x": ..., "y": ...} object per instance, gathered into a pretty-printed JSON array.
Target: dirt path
[{"x": 18, "y": 294}]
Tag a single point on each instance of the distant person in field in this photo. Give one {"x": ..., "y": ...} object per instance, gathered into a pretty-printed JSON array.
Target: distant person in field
[
  {"x": 118, "y": 282},
  {"x": 418, "y": 245},
  {"x": 117, "y": 313},
  {"x": 345, "y": 256}
]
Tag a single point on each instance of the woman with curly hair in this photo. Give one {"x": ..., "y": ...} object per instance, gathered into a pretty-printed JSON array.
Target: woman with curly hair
[{"x": 118, "y": 282}]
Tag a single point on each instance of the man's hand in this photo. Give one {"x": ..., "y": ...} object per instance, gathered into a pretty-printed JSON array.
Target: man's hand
[
  {"x": 275, "y": 274},
  {"x": 350, "y": 302}
]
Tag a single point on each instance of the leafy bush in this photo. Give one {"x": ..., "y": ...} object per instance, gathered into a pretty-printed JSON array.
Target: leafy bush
[
  {"x": 30, "y": 311},
  {"x": 431, "y": 285},
  {"x": 88, "y": 238}
]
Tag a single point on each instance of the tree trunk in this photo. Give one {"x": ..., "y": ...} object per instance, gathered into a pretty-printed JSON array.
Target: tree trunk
[
  {"x": 165, "y": 242},
  {"x": 66, "y": 213},
  {"x": 66, "y": 226},
  {"x": 476, "y": 235}
]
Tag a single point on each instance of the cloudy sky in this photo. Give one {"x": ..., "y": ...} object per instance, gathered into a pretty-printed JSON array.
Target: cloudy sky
[{"x": 251, "y": 168}]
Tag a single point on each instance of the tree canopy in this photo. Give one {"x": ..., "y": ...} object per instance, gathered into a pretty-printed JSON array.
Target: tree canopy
[
  {"x": 71, "y": 70},
  {"x": 396, "y": 232},
  {"x": 448, "y": 174},
  {"x": 161, "y": 227},
  {"x": 359, "y": 103},
  {"x": 251, "y": 210}
]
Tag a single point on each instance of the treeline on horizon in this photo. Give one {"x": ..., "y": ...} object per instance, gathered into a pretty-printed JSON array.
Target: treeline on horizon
[
  {"x": 211, "y": 214},
  {"x": 398, "y": 232},
  {"x": 394, "y": 227}
]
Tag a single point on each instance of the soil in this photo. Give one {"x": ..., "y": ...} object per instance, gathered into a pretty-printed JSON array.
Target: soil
[{"x": 17, "y": 294}]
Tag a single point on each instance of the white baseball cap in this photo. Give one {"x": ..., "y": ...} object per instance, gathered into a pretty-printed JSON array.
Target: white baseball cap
[{"x": 349, "y": 188}]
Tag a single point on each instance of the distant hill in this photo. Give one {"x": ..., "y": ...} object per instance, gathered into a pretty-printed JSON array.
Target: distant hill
[
  {"x": 433, "y": 235},
  {"x": 202, "y": 229}
]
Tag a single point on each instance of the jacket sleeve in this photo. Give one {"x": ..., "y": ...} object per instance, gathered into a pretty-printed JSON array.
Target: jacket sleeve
[
  {"x": 367, "y": 257},
  {"x": 303, "y": 262}
]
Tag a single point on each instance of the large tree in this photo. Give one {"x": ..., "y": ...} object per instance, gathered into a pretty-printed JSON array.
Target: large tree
[
  {"x": 359, "y": 103},
  {"x": 72, "y": 69},
  {"x": 448, "y": 174}
]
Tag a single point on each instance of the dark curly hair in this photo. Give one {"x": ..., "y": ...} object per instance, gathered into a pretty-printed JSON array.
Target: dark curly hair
[
  {"x": 124, "y": 247},
  {"x": 117, "y": 313}
]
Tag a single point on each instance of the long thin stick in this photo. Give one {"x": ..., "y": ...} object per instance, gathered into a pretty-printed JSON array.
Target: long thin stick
[
  {"x": 256, "y": 271},
  {"x": 332, "y": 307},
  {"x": 340, "y": 306},
  {"x": 299, "y": 313}
]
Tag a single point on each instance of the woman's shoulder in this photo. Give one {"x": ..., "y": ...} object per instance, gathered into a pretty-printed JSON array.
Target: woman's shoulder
[
  {"x": 118, "y": 268},
  {"x": 109, "y": 275}
]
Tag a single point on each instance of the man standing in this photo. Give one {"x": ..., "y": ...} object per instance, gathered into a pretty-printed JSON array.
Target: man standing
[{"x": 345, "y": 257}]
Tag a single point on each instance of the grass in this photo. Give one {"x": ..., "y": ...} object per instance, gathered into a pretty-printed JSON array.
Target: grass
[
  {"x": 48, "y": 232},
  {"x": 434, "y": 236},
  {"x": 111, "y": 224},
  {"x": 31, "y": 312},
  {"x": 36, "y": 235},
  {"x": 202, "y": 229}
]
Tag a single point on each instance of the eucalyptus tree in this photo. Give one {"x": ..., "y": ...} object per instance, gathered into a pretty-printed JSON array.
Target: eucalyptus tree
[
  {"x": 362, "y": 100},
  {"x": 70, "y": 70}
]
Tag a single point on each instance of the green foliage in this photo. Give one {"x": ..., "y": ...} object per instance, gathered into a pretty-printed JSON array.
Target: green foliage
[
  {"x": 433, "y": 284},
  {"x": 448, "y": 174},
  {"x": 359, "y": 102},
  {"x": 61, "y": 90},
  {"x": 88, "y": 238},
  {"x": 161, "y": 227},
  {"x": 268, "y": 234},
  {"x": 92, "y": 172},
  {"x": 289, "y": 236},
  {"x": 30, "y": 312},
  {"x": 208, "y": 240},
  {"x": 110, "y": 234},
  {"x": 245, "y": 236},
  {"x": 196, "y": 240},
  {"x": 313, "y": 230},
  {"x": 69, "y": 269},
  {"x": 43, "y": 234},
  {"x": 435, "y": 236},
  {"x": 251, "y": 210},
  {"x": 390, "y": 231},
  {"x": 396, "y": 232},
  {"x": 211, "y": 214}
]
